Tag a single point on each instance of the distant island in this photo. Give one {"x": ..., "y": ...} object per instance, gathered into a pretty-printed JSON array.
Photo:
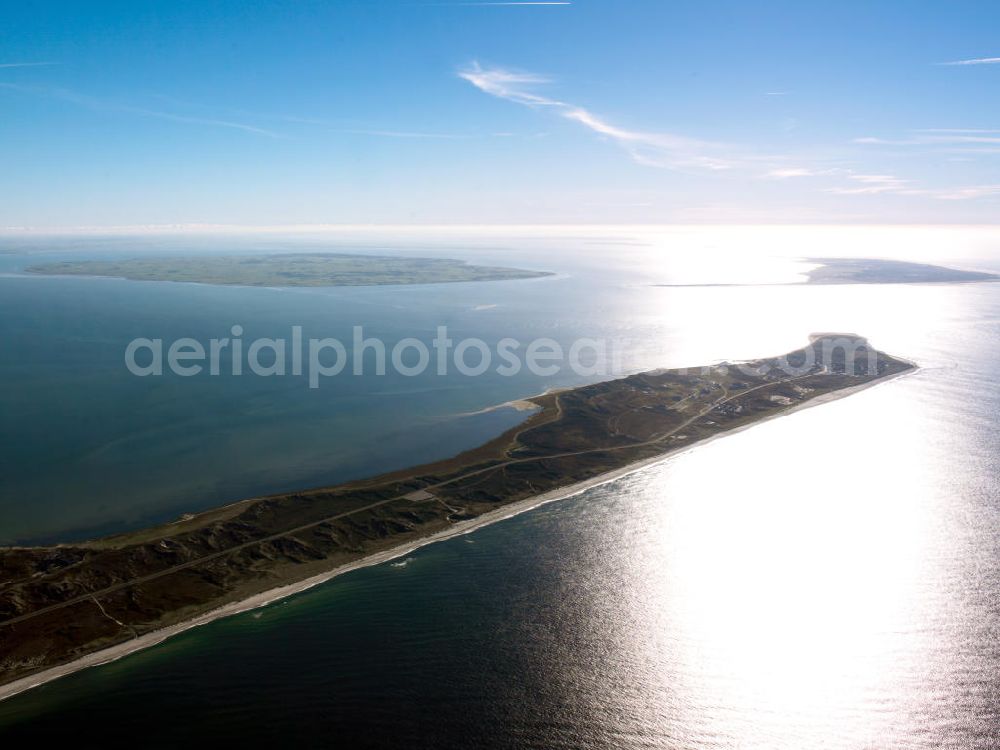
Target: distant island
[
  {"x": 874, "y": 271},
  {"x": 69, "y": 606},
  {"x": 291, "y": 269}
]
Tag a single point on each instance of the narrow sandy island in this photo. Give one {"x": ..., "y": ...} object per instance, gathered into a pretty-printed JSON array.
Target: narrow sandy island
[{"x": 147, "y": 640}]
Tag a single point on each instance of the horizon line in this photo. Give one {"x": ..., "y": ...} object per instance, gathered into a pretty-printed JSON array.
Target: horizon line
[{"x": 195, "y": 228}]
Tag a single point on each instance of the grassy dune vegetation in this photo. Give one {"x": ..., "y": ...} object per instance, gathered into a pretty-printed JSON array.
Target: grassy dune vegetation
[
  {"x": 62, "y": 602},
  {"x": 292, "y": 269}
]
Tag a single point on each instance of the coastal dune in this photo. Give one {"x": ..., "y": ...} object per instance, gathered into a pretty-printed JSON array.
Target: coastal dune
[{"x": 147, "y": 640}]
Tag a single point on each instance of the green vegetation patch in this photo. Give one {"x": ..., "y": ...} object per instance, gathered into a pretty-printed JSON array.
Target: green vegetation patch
[{"x": 298, "y": 269}]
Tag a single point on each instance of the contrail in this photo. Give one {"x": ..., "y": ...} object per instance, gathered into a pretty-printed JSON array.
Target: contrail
[{"x": 25, "y": 65}]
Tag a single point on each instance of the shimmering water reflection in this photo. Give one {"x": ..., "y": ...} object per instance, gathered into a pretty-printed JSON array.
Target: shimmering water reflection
[
  {"x": 813, "y": 582},
  {"x": 829, "y": 579}
]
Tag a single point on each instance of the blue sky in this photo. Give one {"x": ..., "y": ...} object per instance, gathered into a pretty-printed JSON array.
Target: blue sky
[{"x": 590, "y": 111}]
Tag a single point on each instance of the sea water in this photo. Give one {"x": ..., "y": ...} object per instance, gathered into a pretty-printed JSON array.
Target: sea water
[{"x": 828, "y": 579}]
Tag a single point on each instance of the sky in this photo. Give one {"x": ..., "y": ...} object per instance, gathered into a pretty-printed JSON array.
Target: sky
[{"x": 146, "y": 114}]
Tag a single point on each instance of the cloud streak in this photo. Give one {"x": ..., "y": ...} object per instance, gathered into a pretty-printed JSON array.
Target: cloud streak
[
  {"x": 679, "y": 152},
  {"x": 102, "y": 105},
  {"x": 873, "y": 184},
  {"x": 26, "y": 64},
  {"x": 937, "y": 137},
  {"x": 787, "y": 173},
  {"x": 409, "y": 134},
  {"x": 975, "y": 61},
  {"x": 650, "y": 149},
  {"x": 970, "y": 193},
  {"x": 879, "y": 184}
]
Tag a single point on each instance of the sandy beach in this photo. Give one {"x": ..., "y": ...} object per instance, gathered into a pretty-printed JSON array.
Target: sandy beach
[{"x": 464, "y": 527}]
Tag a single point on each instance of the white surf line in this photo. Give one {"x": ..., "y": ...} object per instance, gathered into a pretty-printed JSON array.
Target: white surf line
[{"x": 461, "y": 528}]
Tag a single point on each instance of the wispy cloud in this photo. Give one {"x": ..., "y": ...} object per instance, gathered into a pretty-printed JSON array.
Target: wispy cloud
[
  {"x": 408, "y": 134},
  {"x": 873, "y": 184},
  {"x": 970, "y": 193},
  {"x": 103, "y": 105},
  {"x": 956, "y": 130},
  {"x": 949, "y": 140},
  {"x": 680, "y": 152},
  {"x": 26, "y": 64},
  {"x": 647, "y": 148},
  {"x": 428, "y": 135},
  {"x": 852, "y": 182},
  {"x": 786, "y": 173},
  {"x": 975, "y": 61},
  {"x": 506, "y": 84},
  {"x": 878, "y": 184},
  {"x": 925, "y": 139}
]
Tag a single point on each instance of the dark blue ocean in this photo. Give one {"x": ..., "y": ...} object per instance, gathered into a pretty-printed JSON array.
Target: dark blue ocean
[{"x": 830, "y": 579}]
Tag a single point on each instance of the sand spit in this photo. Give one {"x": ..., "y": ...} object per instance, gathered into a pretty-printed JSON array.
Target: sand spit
[{"x": 464, "y": 527}]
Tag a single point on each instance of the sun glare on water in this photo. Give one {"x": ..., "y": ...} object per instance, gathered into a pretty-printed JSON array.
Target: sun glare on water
[{"x": 785, "y": 587}]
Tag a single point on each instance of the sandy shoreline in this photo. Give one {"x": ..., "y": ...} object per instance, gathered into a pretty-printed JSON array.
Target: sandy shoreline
[
  {"x": 518, "y": 404},
  {"x": 121, "y": 650}
]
